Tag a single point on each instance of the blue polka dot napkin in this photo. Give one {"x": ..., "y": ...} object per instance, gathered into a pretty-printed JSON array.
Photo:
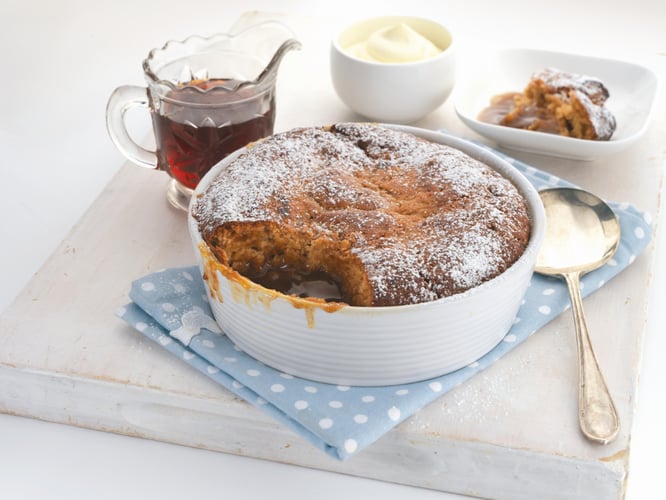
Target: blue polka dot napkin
[{"x": 171, "y": 308}]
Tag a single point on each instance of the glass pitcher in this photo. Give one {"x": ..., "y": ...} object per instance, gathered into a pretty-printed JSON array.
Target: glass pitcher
[{"x": 207, "y": 97}]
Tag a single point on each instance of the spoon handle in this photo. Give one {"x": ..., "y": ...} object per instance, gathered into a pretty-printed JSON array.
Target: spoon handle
[{"x": 596, "y": 411}]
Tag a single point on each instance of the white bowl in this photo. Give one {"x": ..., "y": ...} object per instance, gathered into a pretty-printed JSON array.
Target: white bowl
[
  {"x": 632, "y": 93},
  {"x": 373, "y": 345},
  {"x": 393, "y": 92}
]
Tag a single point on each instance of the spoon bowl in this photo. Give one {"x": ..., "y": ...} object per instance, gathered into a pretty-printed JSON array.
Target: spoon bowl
[{"x": 582, "y": 234}]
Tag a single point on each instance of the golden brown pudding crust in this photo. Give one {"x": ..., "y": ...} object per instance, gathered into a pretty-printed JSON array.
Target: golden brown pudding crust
[{"x": 393, "y": 218}]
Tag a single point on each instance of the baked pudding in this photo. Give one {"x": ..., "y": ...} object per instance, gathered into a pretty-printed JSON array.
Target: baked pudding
[{"x": 362, "y": 214}]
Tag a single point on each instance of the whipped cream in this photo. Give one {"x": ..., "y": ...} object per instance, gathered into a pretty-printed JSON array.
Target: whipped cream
[{"x": 394, "y": 44}]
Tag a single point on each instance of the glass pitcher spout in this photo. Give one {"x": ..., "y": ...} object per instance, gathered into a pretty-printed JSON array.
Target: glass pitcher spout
[
  {"x": 270, "y": 71},
  {"x": 246, "y": 56},
  {"x": 262, "y": 38}
]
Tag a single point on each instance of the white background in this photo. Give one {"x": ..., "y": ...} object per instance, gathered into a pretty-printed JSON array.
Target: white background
[{"x": 59, "y": 61}]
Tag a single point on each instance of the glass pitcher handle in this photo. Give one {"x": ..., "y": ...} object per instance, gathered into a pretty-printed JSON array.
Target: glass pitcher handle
[{"x": 122, "y": 99}]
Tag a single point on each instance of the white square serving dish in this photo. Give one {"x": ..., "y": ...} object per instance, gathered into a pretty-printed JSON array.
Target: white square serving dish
[{"x": 632, "y": 93}]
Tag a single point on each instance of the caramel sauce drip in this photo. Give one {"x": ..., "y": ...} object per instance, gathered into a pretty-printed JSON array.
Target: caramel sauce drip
[
  {"x": 502, "y": 111},
  {"x": 246, "y": 290}
]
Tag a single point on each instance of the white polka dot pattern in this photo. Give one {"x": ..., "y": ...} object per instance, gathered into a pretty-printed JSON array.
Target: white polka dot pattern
[
  {"x": 301, "y": 405},
  {"x": 338, "y": 419},
  {"x": 350, "y": 445}
]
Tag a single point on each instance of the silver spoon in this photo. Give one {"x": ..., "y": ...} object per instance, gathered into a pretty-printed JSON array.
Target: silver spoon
[{"x": 582, "y": 234}]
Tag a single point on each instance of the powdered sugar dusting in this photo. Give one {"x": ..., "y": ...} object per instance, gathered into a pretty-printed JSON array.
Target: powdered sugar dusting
[
  {"x": 425, "y": 220},
  {"x": 601, "y": 118},
  {"x": 589, "y": 91},
  {"x": 559, "y": 80}
]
